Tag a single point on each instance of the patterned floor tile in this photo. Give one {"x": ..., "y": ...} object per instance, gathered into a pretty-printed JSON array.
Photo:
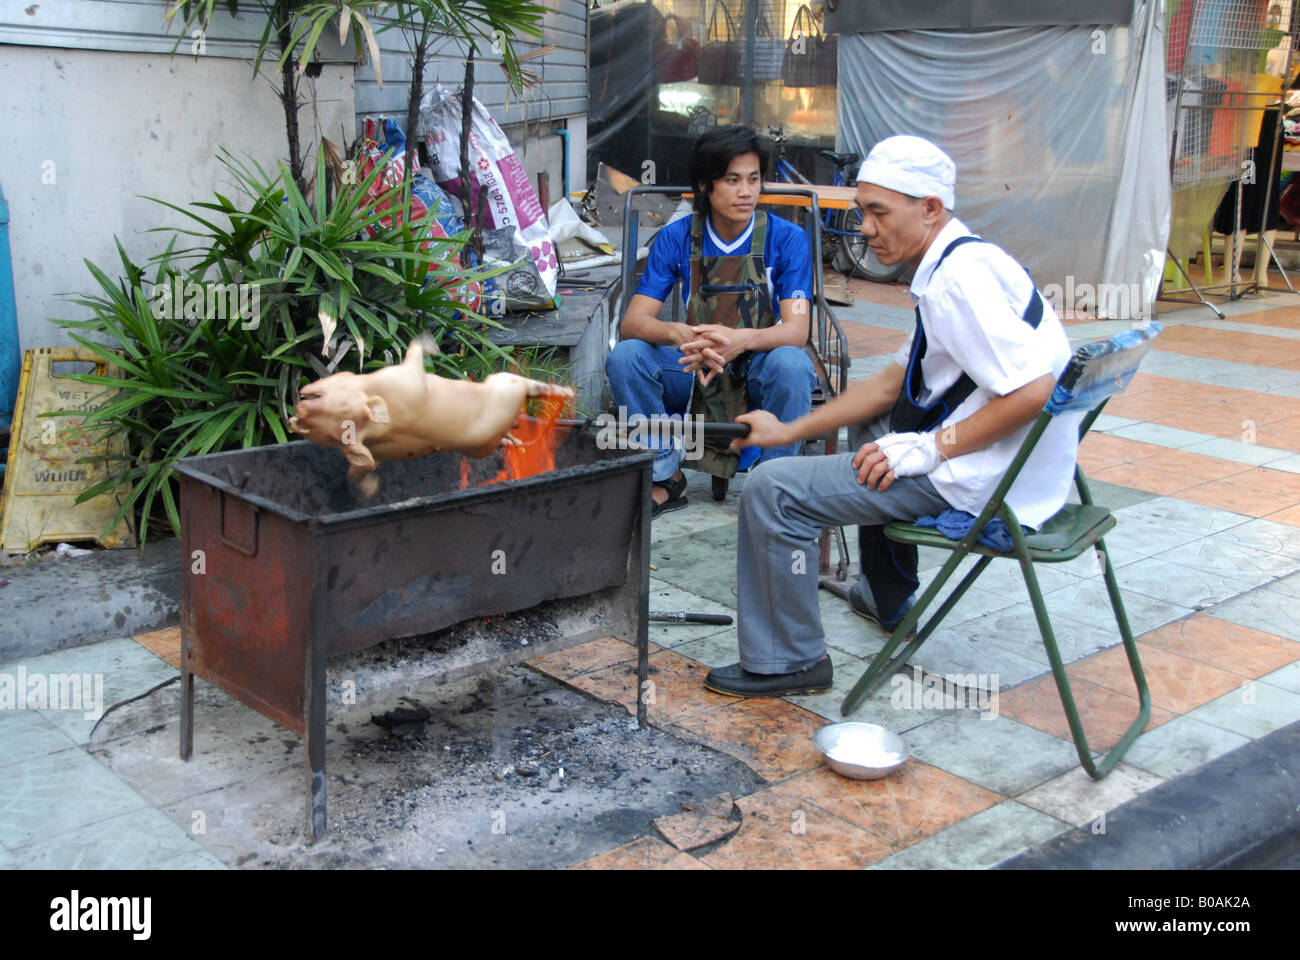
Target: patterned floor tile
[
  {"x": 139, "y": 840},
  {"x": 1288, "y": 678},
  {"x": 702, "y": 562},
  {"x": 1015, "y": 631},
  {"x": 59, "y": 792},
  {"x": 1226, "y": 645},
  {"x": 1246, "y": 348},
  {"x": 1180, "y": 585},
  {"x": 1101, "y": 451},
  {"x": 1162, "y": 523},
  {"x": 991, "y": 751},
  {"x": 902, "y": 808},
  {"x": 1266, "y": 536},
  {"x": 1287, "y": 515},
  {"x": 163, "y": 643},
  {"x": 980, "y": 842},
  {"x": 1224, "y": 554},
  {"x": 1112, "y": 495},
  {"x": 1078, "y": 799},
  {"x": 588, "y": 657},
  {"x": 1089, "y": 602},
  {"x": 770, "y": 736},
  {"x": 783, "y": 831},
  {"x": 1144, "y": 476},
  {"x": 1253, "y": 710},
  {"x": 1230, "y": 448},
  {"x": 26, "y": 734},
  {"x": 675, "y": 691},
  {"x": 1177, "y": 684},
  {"x": 1164, "y": 436},
  {"x": 1283, "y": 434},
  {"x": 648, "y": 853},
  {"x": 1180, "y": 746},
  {"x": 1257, "y": 492},
  {"x": 1105, "y": 714}
]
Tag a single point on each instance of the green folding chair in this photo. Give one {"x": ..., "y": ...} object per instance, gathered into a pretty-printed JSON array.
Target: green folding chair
[{"x": 1096, "y": 372}]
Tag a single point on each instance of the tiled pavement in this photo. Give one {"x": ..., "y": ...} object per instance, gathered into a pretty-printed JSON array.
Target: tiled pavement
[{"x": 1200, "y": 460}]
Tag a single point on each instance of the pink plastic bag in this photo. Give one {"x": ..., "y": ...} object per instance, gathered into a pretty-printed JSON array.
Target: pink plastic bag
[{"x": 511, "y": 200}]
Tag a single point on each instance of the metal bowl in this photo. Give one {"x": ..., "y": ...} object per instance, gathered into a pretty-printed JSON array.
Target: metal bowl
[{"x": 862, "y": 751}]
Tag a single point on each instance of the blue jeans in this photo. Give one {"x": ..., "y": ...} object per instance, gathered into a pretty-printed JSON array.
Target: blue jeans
[{"x": 647, "y": 380}]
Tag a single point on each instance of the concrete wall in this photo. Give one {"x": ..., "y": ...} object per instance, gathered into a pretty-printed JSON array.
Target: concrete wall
[
  {"x": 86, "y": 131},
  {"x": 562, "y": 74},
  {"x": 97, "y": 110}
]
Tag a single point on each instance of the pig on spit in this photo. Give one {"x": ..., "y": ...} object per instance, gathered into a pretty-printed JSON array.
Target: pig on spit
[{"x": 402, "y": 411}]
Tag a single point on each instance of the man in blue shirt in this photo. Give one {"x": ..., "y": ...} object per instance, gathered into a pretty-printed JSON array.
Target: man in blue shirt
[{"x": 657, "y": 364}]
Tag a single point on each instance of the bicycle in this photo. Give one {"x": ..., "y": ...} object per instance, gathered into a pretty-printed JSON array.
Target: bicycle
[{"x": 841, "y": 229}]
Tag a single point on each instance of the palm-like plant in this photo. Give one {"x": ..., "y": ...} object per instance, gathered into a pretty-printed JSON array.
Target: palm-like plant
[
  {"x": 494, "y": 24},
  {"x": 347, "y": 278},
  {"x": 288, "y": 24}
]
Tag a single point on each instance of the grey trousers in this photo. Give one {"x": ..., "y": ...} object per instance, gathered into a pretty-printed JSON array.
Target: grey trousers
[{"x": 783, "y": 507}]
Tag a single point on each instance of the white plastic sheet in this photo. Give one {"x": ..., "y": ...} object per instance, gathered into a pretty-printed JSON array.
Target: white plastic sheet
[{"x": 1058, "y": 133}]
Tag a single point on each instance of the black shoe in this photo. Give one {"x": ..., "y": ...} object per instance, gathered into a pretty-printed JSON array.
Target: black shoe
[
  {"x": 739, "y": 682},
  {"x": 676, "y": 496},
  {"x": 861, "y": 603}
]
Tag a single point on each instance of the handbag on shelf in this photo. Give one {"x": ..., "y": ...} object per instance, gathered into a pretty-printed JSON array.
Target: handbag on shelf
[
  {"x": 767, "y": 56},
  {"x": 811, "y": 59},
  {"x": 719, "y": 59},
  {"x": 676, "y": 62}
]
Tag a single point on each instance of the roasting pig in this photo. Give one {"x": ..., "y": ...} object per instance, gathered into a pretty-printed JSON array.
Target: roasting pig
[{"x": 402, "y": 411}]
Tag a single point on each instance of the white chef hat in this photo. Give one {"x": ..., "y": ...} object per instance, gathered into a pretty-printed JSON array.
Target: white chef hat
[{"x": 913, "y": 166}]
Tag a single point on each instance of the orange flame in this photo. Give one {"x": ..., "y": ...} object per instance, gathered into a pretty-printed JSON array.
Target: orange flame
[{"x": 539, "y": 437}]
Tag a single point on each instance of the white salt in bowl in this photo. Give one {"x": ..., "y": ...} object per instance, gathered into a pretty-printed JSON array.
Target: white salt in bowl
[{"x": 862, "y": 751}]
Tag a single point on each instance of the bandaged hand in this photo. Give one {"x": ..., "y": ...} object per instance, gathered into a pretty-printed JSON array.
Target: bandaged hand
[{"x": 910, "y": 454}]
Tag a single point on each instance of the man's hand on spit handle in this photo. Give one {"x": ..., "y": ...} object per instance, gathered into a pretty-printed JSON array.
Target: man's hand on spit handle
[{"x": 765, "y": 430}]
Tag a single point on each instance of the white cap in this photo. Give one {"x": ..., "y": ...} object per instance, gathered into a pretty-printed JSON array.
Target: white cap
[{"x": 913, "y": 166}]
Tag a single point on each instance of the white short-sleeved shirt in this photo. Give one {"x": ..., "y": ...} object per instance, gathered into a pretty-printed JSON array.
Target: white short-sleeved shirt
[{"x": 971, "y": 309}]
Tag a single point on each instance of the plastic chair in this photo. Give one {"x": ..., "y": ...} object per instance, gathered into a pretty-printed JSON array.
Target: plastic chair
[{"x": 1096, "y": 372}]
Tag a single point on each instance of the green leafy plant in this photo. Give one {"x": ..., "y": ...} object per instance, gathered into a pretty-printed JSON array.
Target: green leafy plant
[
  {"x": 333, "y": 281},
  {"x": 494, "y": 24},
  {"x": 295, "y": 27}
]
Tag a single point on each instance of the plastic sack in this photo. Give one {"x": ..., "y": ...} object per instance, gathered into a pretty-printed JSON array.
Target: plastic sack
[
  {"x": 511, "y": 201},
  {"x": 519, "y": 288},
  {"x": 385, "y": 144}
]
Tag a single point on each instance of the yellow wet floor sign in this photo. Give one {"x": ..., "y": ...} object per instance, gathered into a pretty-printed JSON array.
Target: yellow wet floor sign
[{"x": 43, "y": 478}]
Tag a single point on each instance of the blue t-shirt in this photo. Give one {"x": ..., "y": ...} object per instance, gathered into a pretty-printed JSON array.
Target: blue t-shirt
[{"x": 786, "y": 255}]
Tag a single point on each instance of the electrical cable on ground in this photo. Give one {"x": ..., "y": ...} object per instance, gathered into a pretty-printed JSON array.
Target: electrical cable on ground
[{"x": 123, "y": 703}]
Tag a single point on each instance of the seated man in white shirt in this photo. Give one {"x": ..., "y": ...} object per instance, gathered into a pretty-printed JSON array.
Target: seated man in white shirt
[{"x": 945, "y": 421}]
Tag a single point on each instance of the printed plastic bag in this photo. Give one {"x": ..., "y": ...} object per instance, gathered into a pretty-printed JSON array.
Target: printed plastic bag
[
  {"x": 387, "y": 146},
  {"x": 511, "y": 201},
  {"x": 519, "y": 288}
]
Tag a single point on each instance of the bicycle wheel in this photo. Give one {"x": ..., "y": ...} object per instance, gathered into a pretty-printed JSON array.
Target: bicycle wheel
[{"x": 857, "y": 256}]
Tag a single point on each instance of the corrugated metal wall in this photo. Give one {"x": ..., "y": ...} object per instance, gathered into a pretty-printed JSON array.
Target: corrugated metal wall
[
  {"x": 138, "y": 26},
  {"x": 562, "y": 75}
]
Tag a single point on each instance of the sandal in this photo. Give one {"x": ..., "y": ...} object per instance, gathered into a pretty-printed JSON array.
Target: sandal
[{"x": 676, "y": 496}]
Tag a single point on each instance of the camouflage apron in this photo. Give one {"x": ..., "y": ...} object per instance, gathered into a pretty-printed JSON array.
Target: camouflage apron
[{"x": 730, "y": 291}]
